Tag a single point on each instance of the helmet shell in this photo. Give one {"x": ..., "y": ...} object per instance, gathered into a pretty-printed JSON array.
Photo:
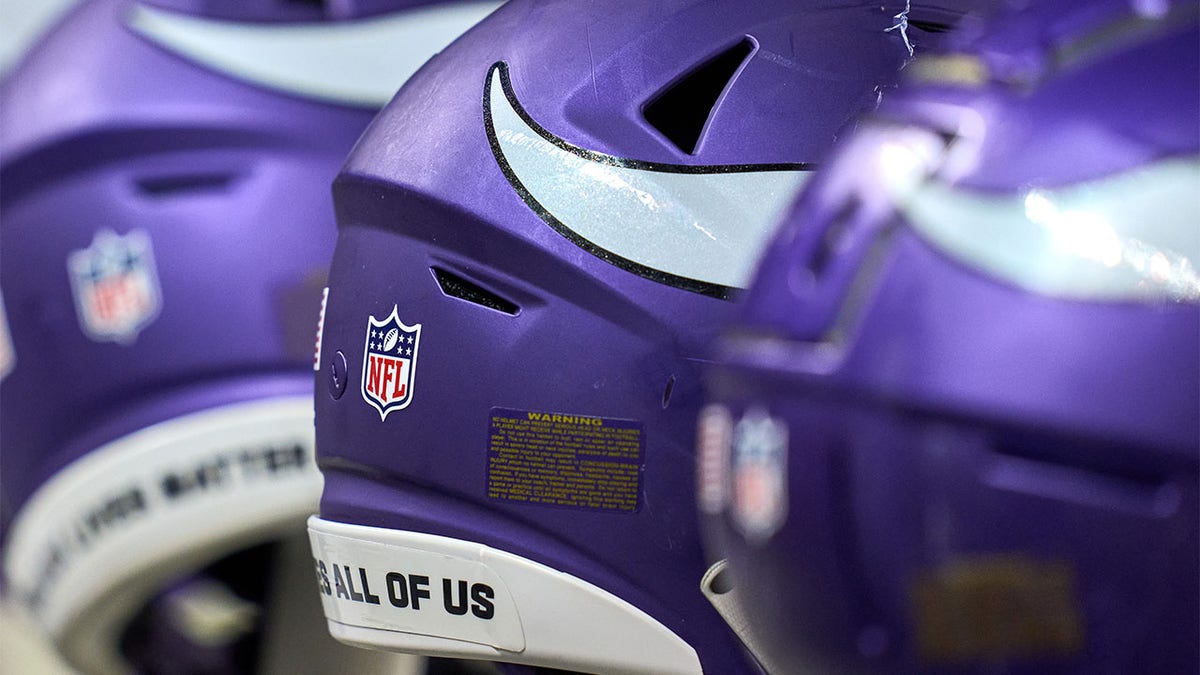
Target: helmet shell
[
  {"x": 206, "y": 167},
  {"x": 940, "y": 445},
  {"x": 166, "y": 231},
  {"x": 459, "y": 239}
]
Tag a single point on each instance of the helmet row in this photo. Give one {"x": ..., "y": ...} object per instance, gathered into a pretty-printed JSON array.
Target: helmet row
[{"x": 940, "y": 413}]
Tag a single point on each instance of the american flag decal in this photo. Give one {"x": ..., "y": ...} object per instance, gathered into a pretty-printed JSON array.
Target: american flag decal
[{"x": 320, "y": 330}]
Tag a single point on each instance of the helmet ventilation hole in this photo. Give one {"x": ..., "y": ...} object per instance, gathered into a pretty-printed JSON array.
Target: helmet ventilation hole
[
  {"x": 1073, "y": 471},
  {"x": 666, "y": 401},
  {"x": 681, "y": 111},
  {"x": 455, "y": 286},
  {"x": 930, "y": 26},
  {"x": 174, "y": 185}
]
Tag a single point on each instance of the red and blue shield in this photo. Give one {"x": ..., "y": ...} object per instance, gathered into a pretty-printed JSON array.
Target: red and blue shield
[
  {"x": 389, "y": 362},
  {"x": 759, "y": 475},
  {"x": 115, "y": 284}
]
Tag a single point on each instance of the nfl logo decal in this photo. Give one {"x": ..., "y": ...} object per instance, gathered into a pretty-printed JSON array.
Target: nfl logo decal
[
  {"x": 115, "y": 286},
  {"x": 759, "y": 475},
  {"x": 389, "y": 360}
]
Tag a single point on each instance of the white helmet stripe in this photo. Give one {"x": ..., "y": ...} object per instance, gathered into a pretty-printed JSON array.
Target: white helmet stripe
[
  {"x": 705, "y": 224},
  {"x": 1129, "y": 237},
  {"x": 359, "y": 62}
]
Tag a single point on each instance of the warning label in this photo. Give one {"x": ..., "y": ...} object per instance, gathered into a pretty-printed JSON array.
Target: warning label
[{"x": 565, "y": 460}]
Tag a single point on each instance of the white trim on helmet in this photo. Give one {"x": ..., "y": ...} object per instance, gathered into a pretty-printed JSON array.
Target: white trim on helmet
[
  {"x": 360, "y": 62},
  {"x": 513, "y": 610},
  {"x": 102, "y": 534}
]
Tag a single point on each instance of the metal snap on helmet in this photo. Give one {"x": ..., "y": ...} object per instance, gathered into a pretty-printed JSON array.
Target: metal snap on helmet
[
  {"x": 164, "y": 234},
  {"x": 536, "y": 237},
  {"x": 955, "y": 428}
]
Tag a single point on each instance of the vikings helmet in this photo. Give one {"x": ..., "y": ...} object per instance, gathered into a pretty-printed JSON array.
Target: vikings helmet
[
  {"x": 957, "y": 425},
  {"x": 536, "y": 237},
  {"x": 165, "y": 230}
]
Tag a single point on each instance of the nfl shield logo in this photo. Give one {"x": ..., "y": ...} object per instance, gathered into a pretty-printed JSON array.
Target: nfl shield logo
[
  {"x": 389, "y": 359},
  {"x": 115, "y": 286},
  {"x": 759, "y": 475}
]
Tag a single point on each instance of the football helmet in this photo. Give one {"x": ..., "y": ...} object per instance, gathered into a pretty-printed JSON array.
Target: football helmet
[
  {"x": 956, "y": 427},
  {"x": 536, "y": 238},
  {"x": 166, "y": 225}
]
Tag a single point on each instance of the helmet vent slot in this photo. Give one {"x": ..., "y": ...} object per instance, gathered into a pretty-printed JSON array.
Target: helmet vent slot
[
  {"x": 455, "y": 286},
  {"x": 174, "y": 185},
  {"x": 682, "y": 110},
  {"x": 1097, "y": 475},
  {"x": 929, "y": 26},
  {"x": 666, "y": 398}
]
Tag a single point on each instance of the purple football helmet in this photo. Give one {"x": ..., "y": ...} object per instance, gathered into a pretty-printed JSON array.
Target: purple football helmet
[
  {"x": 956, "y": 427},
  {"x": 166, "y": 226},
  {"x": 536, "y": 237}
]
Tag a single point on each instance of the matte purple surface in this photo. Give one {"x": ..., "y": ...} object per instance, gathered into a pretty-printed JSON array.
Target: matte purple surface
[
  {"x": 950, "y": 415},
  {"x": 281, "y": 11},
  {"x": 423, "y": 189},
  {"x": 94, "y": 122}
]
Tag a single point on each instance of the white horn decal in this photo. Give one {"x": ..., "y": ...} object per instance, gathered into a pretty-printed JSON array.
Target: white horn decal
[
  {"x": 701, "y": 228},
  {"x": 360, "y": 62}
]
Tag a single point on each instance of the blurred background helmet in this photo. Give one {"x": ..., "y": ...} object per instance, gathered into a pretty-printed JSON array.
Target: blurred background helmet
[
  {"x": 955, "y": 428},
  {"x": 536, "y": 237},
  {"x": 24, "y": 23},
  {"x": 165, "y": 228}
]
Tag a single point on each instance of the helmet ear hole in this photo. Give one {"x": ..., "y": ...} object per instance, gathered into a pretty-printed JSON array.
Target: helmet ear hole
[{"x": 680, "y": 112}]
